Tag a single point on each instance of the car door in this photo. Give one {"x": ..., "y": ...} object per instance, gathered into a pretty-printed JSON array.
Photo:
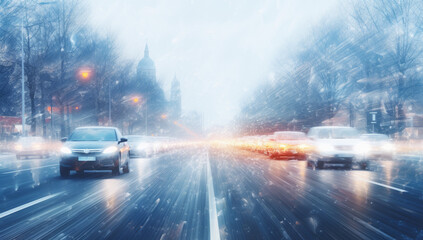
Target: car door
[{"x": 123, "y": 147}]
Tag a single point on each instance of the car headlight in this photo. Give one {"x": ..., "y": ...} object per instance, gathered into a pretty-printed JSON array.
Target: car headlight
[
  {"x": 362, "y": 148},
  {"x": 65, "y": 150},
  {"x": 304, "y": 147},
  {"x": 388, "y": 147},
  {"x": 111, "y": 149},
  {"x": 326, "y": 148},
  {"x": 18, "y": 147}
]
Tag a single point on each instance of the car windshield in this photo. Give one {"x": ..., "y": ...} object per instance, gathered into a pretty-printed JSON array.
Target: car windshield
[
  {"x": 337, "y": 133},
  {"x": 93, "y": 134}
]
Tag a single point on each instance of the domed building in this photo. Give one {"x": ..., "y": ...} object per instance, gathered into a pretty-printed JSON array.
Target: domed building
[{"x": 146, "y": 69}]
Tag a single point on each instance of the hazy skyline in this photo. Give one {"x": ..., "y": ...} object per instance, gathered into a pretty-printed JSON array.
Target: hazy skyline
[{"x": 219, "y": 50}]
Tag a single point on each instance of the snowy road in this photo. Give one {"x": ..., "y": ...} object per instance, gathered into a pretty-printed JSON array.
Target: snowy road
[{"x": 204, "y": 193}]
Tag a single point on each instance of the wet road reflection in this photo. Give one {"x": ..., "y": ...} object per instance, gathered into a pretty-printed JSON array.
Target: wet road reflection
[{"x": 167, "y": 197}]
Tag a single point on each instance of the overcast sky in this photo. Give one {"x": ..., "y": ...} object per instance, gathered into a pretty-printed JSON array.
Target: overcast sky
[{"x": 219, "y": 50}]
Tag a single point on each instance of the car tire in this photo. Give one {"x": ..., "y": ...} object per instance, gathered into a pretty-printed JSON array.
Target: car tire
[
  {"x": 116, "y": 169},
  {"x": 320, "y": 165},
  {"x": 64, "y": 171},
  {"x": 126, "y": 167},
  {"x": 311, "y": 164}
]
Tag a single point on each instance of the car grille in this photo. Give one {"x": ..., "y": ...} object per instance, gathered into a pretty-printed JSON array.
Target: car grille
[{"x": 86, "y": 151}]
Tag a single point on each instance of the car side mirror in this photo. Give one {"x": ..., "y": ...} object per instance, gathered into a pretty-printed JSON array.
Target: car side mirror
[
  {"x": 64, "y": 139},
  {"x": 123, "y": 140}
]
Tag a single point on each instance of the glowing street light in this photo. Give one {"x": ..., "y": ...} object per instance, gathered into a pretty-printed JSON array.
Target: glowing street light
[{"x": 85, "y": 74}]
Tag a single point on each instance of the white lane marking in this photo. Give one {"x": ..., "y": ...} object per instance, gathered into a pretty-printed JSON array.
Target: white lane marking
[
  {"x": 27, "y": 205},
  {"x": 214, "y": 224},
  {"x": 33, "y": 160},
  {"x": 28, "y": 169},
  {"x": 367, "y": 225},
  {"x": 387, "y": 186}
]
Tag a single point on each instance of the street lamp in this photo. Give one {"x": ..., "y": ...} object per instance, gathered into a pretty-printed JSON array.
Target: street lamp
[{"x": 85, "y": 74}]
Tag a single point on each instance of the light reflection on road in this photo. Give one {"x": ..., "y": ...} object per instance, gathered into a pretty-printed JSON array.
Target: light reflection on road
[
  {"x": 360, "y": 185},
  {"x": 112, "y": 188}
]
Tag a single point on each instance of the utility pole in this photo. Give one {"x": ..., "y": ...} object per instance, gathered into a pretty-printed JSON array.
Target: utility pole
[
  {"x": 23, "y": 78},
  {"x": 110, "y": 106}
]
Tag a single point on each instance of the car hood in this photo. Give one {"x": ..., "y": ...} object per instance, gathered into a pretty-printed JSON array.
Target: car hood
[{"x": 89, "y": 144}]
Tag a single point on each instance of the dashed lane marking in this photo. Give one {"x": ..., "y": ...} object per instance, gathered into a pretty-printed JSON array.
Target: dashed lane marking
[
  {"x": 386, "y": 186},
  {"x": 27, "y": 205}
]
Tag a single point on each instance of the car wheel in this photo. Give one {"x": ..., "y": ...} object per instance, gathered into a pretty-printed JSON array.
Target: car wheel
[
  {"x": 116, "y": 169},
  {"x": 311, "y": 164},
  {"x": 320, "y": 165},
  {"x": 126, "y": 167},
  {"x": 64, "y": 172}
]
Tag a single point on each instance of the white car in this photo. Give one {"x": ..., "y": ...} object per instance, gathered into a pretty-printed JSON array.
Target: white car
[
  {"x": 140, "y": 146},
  {"x": 380, "y": 146},
  {"x": 336, "y": 146},
  {"x": 31, "y": 146}
]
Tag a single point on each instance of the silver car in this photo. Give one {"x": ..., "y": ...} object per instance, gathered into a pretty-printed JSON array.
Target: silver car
[{"x": 336, "y": 147}]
